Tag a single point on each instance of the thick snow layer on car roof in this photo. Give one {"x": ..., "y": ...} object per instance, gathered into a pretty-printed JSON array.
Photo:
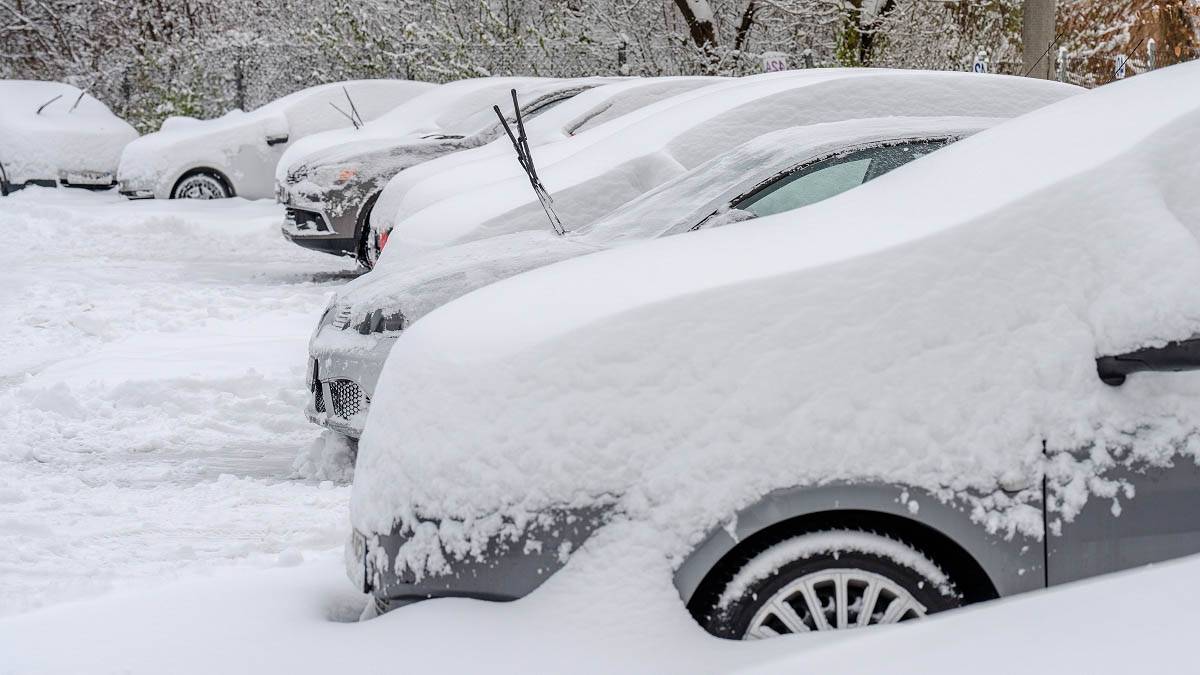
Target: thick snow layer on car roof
[
  {"x": 70, "y": 134},
  {"x": 936, "y": 328},
  {"x": 184, "y": 140},
  {"x": 420, "y": 186},
  {"x": 435, "y": 111},
  {"x": 682, "y": 203},
  {"x": 609, "y": 165}
]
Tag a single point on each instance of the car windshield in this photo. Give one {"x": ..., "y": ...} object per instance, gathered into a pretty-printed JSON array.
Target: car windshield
[
  {"x": 817, "y": 182},
  {"x": 482, "y": 121},
  {"x": 763, "y": 174}
]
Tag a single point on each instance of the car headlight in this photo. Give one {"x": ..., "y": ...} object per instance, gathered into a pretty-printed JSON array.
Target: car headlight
[
  {"x": 380, "y": 322},
  {"x": 335, "y": 175}
]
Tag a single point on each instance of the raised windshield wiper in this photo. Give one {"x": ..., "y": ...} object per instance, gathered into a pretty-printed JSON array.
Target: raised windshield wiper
[
  {"x": 521, "y": 144},
  {"x": 43, "y": 106}
]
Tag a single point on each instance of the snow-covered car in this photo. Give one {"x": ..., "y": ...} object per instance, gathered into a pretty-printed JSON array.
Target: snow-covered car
[
  {"x": 330, "y": 193},
  {"x": 953, "y": 383},
  {"x": 55, "y": 134},
  {"x": 606, "y": 166},
  {"x": 783, "y": 170},
  {"x": 236, "y": 154}
]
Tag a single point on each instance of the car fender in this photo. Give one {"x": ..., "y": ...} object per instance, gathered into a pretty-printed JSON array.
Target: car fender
[{"x": 1013, "y": 564}]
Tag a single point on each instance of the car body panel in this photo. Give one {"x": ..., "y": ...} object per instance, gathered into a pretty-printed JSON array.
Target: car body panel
[{"x": 1013, "y": 564}]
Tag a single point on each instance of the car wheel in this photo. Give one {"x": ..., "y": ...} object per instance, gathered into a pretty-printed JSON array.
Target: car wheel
[
  {"x": 201, "y": 185},
  {"x": 828, "y": 580},
  {"x": 368, "y": 252}
]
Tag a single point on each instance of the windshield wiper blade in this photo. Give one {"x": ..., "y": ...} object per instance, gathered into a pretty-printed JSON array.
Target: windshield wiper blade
[{"x": 520, "y": 141}]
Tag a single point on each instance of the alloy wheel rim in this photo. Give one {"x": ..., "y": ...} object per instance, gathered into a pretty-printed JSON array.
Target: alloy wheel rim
[
  {"x": 833, "y": 599},
  {"x": 201, "y": 187}
]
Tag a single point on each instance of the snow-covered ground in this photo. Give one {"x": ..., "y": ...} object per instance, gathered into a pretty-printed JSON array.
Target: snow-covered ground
[{"x": 151, "y": 393}]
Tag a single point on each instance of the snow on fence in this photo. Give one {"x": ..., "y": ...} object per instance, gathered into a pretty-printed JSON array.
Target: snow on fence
[{"x": 208, "y": 82}]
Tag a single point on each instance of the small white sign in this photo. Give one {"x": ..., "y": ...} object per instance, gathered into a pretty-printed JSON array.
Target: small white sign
[
  {"x": 981, "y": 63},
  {"x": 1122, "y": 63},
  {"x": 774, "y": 62}
]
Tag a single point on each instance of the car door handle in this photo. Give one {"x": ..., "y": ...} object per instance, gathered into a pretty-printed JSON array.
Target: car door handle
[{"x": 1172, "y": 357}]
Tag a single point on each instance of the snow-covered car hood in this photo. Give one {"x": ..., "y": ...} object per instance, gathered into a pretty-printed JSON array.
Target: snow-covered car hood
[
  {"x": 421, "y": 285},
  {"x": 618, "y": 102},
  {"x": 937, "y": 327},
  {"x": 466, "y": 120},
  {"x": 430, "y": 113},
  {"x": 602, "y": 168},
  {"x": 41, "y": 146}
]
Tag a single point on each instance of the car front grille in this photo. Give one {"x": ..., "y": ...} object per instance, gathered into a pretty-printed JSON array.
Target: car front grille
[
  {"x": 318, "y": 397},
  {"x": 347, "y": 398},
  {"x": 300, "y": 219}
]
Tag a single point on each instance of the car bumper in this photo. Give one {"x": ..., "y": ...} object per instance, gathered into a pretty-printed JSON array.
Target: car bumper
[
  {"x": 310, "y": 224},
  {"x": 343, "y": 368},
  {"x": 506, "y": 569}
]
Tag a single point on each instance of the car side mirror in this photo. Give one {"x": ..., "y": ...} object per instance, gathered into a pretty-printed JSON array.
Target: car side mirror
[
  {"x": 275, "y": 129},
  {"x": 1172, "y": 357}
]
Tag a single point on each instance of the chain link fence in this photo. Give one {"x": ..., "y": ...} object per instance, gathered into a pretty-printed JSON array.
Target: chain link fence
[{"x": 208, "y": 82}]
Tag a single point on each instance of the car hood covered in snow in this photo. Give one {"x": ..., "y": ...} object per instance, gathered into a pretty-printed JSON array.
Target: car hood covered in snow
[
  {"x": 71, "y": 134},
  {"x": 604, "y": 167},
  {"x": 430, "y": 113},
  {"x": 932, "y": 328},
  {"x": 421, "y": 285}
]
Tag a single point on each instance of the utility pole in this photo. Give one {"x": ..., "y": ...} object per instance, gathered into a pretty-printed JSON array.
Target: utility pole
[{"x": 1037, "y": 34}]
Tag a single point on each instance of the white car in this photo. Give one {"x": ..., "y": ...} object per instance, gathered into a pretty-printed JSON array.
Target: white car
[
  {"x": 970, "y": 378},
  {"x": 55, "y": 134},
  {"x": 236, "y": 154},
  {"x": 594, "y": 172}
]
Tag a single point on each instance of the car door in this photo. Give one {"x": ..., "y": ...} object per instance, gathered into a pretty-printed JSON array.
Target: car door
[{"x": 1156, "y": 515}]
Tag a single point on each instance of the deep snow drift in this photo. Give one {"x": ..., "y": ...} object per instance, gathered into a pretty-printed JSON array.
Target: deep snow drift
[{"x": 151, "y": 393}]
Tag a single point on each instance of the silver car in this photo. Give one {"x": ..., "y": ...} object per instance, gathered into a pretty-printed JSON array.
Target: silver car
[
  {"x": 777, "y": 172},
  {"x": 959, "y": 382}
]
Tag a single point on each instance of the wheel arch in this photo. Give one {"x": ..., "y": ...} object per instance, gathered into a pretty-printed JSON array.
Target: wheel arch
[
  {"x": 216, "y": 173},
  {"x": 984, "y": 566}
]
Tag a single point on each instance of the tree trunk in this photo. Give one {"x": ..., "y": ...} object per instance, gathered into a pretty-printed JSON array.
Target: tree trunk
[
  {"x": 1037, "y": 34},
  {"x": 699, "y": 17}
]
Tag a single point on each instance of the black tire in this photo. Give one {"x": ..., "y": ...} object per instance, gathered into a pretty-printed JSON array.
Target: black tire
[
  {"x": 202, "y": 184},
  {"x": 366, "y": 254},
  {"x": 872, "y": 563}
]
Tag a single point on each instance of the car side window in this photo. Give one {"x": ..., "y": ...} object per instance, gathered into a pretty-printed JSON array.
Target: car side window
[{"x": 827, "y": 178}]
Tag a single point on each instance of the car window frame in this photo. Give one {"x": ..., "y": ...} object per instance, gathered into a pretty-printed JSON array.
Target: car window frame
[{"x": 947, "y": 138}]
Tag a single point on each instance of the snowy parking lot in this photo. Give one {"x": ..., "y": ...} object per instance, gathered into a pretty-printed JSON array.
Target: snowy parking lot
[
  {"x": 162, "y": 493},
  {"x": 151, "y": 393}
]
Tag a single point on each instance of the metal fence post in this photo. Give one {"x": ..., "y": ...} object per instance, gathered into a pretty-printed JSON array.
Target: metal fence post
[
  {"x": 239, "y": 79},
  {"x": 1152, "y": 54},
  {"x": 1062, "y": 64}
]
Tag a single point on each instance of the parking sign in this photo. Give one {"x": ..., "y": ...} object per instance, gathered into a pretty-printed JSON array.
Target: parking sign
[{"x": 774, "y": 62}]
